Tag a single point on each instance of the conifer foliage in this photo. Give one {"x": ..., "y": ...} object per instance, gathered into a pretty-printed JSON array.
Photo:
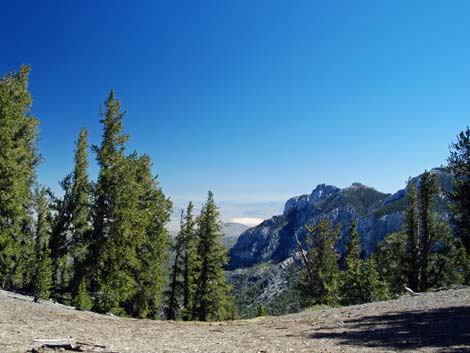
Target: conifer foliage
[
  {"x": 211, "y": 300},
  {"x": 360, "y": 281},
  {"x": 18, "y": 159},
  {"x": 197, "y": 289},
  {"x": 459, "y": 166},
  {"x": 425, "y": 254},
  {"x": 128, "y": 244},
  {"x": 42, "y": 279},
  {"x": 411, "y": 230},
  {"x": 189, "y": 256},
  {"x": 320, "y": 277},
  {"x": 180, "y": 293},
  {"x": 351, "y": 286}
]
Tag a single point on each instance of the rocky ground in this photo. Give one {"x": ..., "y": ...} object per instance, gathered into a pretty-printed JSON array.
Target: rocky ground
[{"x": 431, "y": 322}]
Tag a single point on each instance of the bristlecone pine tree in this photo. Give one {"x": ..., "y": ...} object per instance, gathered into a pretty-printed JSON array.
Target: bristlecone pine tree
[
  {"x": 189, "y": 259},
  {"x": 129, "y": 243},
  {"x": 82, "y": 300},
  {"x": 427, "y": 189},
  {"x": 320, "y": 276},
  {"x": 425, "y": 254},
  {"x": 110, "y": 158},
  {"x": 175, "y": 288},
  {"x": 390, "y": 255},
  {"x": 360, "y": 281},
  {"x": 180, "y": 292},
  {"x": 18, "y": 160},
  {"x": 71, "y": 225},
  {"x": 80, "y": 208},
  {"x": 411, "y": 228},
  {"x": 459, "y": 166},
  {"x": 211, "y": 300},
  {"x": 351, "y": 286},
  {"x": 42, "y": 280},
  {"x": 58, "y": 243}
]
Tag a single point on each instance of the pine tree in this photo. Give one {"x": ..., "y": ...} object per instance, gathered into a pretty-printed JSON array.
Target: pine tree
[
  {"x": 260, "y": 310},
  {"x": 211, "y": 300},
  {"x": 43, "y": 275},
  {"x": 58, "y": 244},
  {"x": 146, "y": 242},
  {"x": 351, "y": 285},
  {"x": 129, "y": 242},
  {"x": 175, "y": 289},
  {"x": 428, "y": 188},
  {"x": 459, "y": 166},
  {"x": 319, "y": 283},
  {"x": 110, "y": 157},
  {"x": 390, "y": 255},
  {"x": 447, "y": 260},
  {"x": 71, "y": 224},
  {"x": 80, "y": 209},
  {"x": 18, "y": 160},
  {"x": 42, "y": 280},
  {"x": 374, "y": 288},
  {"x": 82, "y": 300},
  {"x": 180, "y": 293},
  {"x": 189, "y": 257},
  {"x": 412, "y": 262}
]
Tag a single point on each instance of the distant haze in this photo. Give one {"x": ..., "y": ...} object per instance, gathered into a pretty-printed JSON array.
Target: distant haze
[{"x": 246, "y": 221}]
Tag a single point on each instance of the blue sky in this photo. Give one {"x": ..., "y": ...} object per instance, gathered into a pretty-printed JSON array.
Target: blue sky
[{"x": 255, "y": 100}]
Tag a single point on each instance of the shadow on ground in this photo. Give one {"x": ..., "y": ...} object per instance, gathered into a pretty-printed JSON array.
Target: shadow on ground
[{"x": 444, "y": 330}]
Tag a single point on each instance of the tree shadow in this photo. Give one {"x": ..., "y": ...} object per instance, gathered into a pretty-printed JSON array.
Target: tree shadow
[{"x": 445, "y": 330}]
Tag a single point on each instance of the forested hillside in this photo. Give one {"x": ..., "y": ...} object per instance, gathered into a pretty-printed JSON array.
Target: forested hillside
[{"x": 103, "y": 244}]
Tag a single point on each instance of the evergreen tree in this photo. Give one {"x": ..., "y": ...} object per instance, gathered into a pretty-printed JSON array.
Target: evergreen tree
[
  {"x": 110, "y": 157},
  {"x": 374, "y": 288},
  {"x": 211, "y": 301},
  {"x": 447, "y": 260},
  {"x": 180, "y": 293},
  {"x": 43, "y": 275},
  {"x": 412, "y": 262},
  {"x": 189, "y": 257},
  {"x": 82, "y": 300},
  {"x": 58, "y": 240},
  {"x": 428, "y": 188},
  {"x": 319, "y": 284},
  {"x": 175, "y": 289},
  {"x": 18, "y": 160},
  {"x": 42, "y": 280},
  {"x": 129, "y": 242},
  {"x": 390, "y": 255},
  {"x": 68, "y": 241},
  {"x": 80, "y": 209},
  {"x": 260, "y": 310},
  {"x": 360, "y": 280},
  {"x": 351, "y": 286},
  {"x": 459, "y": 166},
  {"x": 148, "y": 240}
]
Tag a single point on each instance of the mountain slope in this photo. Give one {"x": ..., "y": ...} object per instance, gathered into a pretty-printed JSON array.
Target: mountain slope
[
  {"x": 231, "y": 232},
  {"x": 377, "y": 214}
]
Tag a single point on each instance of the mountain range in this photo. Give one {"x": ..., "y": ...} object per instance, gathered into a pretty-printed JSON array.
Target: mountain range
[{"x": 264, "y": 256}]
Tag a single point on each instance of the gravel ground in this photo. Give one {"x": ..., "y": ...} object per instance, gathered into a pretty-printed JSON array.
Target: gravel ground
[{"x": 431, "y": 322}]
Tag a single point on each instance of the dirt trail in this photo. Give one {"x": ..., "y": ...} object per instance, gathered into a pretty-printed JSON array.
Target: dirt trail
[{"x": 432, "y": 322}]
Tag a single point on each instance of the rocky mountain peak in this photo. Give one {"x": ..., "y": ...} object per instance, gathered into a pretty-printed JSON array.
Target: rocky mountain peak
[
  {"x": 300, "y": 202},
  {"x": 377, "y": 214},
  {"x": 357, "y": 186}
]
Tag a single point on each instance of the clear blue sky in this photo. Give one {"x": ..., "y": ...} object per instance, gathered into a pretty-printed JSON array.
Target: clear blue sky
[{"x": 255, "y": 100}]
